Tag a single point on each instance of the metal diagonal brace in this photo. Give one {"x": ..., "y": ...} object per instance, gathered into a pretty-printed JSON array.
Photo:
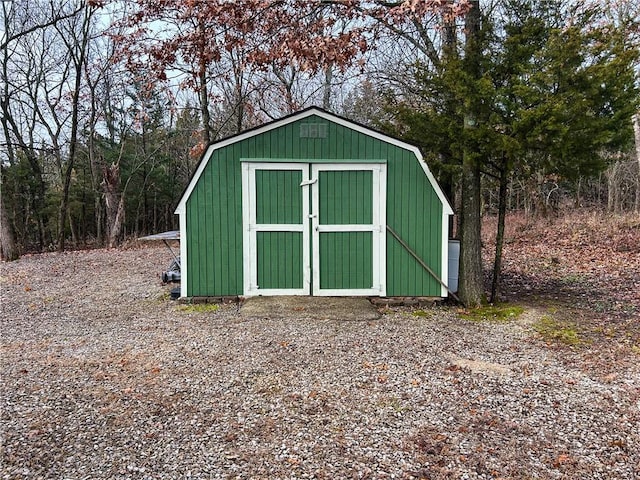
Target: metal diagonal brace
[{"x": 421, "y": 262}]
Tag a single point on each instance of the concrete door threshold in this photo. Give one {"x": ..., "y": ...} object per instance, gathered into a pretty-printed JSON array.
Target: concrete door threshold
[{"x": 317, "y": 308}]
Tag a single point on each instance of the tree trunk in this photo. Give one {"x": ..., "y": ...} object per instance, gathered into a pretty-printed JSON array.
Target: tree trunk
[
  {"x": 79, "y": 62},
  {"x": 449, "y": 35},
  {"x": 203, "y": 93},
  {"x": 326, "y": 97},
  {"x": 204, "y": 107},
  {"x": 239, "y": 111},
  {"x": 73, "y": 229},
  {"x": 611, "y": 186},
  {"x": 114, "y": 203},
  {"x": 115, "y": 225},
  {"x": 446, "y": 180},
  {"x": 502, "y": 213},
  {"x": 38, "y": 199},
  {"x": 471, "y": 282},
  {"x": 613, "y": 190},
  {"x": 64, "y": 202},
  {"x": 8, "y": 248},
  {"x": 540, "y": 204},
  {"x": 97, "y": 202},
  {"x": 636, "y": 131}
]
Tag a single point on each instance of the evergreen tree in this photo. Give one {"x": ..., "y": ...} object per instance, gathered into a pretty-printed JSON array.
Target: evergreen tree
[{"x": 542, "y": 88}]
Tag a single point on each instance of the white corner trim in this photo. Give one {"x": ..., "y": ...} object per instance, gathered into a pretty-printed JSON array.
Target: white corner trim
[
  {"x": 183, "y": 254},
  {"x": 246, "y": 221},
  {"x": 444, "y": 273},
  {"x": 382, "y": 237},
  {"x": 182, "y": 204}
]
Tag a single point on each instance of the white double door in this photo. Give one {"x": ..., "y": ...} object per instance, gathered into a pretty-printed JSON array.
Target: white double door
[{"x": 314, "y": 228}]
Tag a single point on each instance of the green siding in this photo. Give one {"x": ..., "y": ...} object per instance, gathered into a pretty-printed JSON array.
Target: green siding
[
  {"x": 214, "y": 209},
  {"x": 279, "y": 259},
  {"x": 346, "y": 197},
  {"x": 415, "y": 213},
  {"x": 278, "y": 198},
  {"x": 345, "y": 260},
  {"x": 214, "y": 237}
]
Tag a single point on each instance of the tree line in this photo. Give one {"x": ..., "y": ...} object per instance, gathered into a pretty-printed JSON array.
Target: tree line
[{"x": 107, "y": 106}]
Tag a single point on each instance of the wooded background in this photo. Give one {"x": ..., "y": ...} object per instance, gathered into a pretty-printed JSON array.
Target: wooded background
[{"x": 106, "y": 106}]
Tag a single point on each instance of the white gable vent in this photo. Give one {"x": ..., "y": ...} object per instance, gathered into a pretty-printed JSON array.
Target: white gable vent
[{"x": 313, "y": 130}]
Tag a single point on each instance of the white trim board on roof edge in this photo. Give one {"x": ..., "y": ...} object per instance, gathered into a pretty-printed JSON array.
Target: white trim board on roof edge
[{"x": 181, "y": 208}]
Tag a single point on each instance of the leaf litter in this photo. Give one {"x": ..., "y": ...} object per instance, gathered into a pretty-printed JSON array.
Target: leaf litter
[{"x": 582, "y": 270}]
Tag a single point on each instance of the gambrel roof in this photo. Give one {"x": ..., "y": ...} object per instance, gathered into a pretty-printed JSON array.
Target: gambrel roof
[{"x": 330, "y": 117}]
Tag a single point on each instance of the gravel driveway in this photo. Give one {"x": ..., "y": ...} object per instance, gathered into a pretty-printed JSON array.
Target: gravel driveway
[{"x": 103, "y": 377}]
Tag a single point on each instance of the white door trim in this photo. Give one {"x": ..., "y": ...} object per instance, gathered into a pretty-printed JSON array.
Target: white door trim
[
  {"x": 250, "y": 229},
  {"x": 377, "y": 227}
]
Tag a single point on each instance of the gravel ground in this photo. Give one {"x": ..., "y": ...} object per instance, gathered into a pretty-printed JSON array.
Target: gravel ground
[{"x": 103, "y": 377}]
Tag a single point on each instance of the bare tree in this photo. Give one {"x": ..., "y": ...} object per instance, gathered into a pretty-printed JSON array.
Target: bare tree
[
  {"x": 56, "y": 13},
  {"x": 25, "y": 63},
  {"x": 8, "y": 247},
  {"x": 75, "y": 36}
]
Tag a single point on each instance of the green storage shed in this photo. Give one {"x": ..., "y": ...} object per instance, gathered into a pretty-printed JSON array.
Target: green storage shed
[{"x": 313, "y": 204}]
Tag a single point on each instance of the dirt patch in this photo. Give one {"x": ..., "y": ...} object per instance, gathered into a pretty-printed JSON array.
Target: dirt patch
[{"x": 479, "y": 366}]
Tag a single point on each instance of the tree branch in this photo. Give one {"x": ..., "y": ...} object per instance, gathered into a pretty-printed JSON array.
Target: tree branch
[{"x": 53, "y": 21}]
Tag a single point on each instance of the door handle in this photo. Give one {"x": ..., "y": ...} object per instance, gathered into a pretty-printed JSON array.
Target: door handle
[{"x": 308, "y": 182}]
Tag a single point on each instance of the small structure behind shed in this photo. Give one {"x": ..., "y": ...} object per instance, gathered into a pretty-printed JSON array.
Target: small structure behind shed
[{"x": 313, "y": 204}]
